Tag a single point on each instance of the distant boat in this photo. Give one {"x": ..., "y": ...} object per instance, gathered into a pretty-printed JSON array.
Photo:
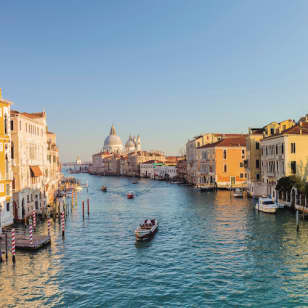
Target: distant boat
[
  {"x": 135, "y": 182},
  {"x": 130, "y": 195},
  {"x": 266, "y": 205},
  {"x": 104, "y": 188},
  {"x": 146, "y": 230},
  {"x": 238, "y": 193}
]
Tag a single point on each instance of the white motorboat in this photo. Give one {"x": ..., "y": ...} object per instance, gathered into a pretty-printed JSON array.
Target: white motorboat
[
  {"x": 146, "y": 230},
  {"x": 266, "y": 205},
  {"x": 238, "y": 193}
]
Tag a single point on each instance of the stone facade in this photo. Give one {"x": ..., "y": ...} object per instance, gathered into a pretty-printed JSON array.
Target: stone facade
[
  {"x": 54, "y": 167},
  {"x": 30, "y": 165},
  {"x": 284, "y": 154}
]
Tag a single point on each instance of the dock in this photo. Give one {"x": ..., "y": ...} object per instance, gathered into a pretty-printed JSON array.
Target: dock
[{"x": 23, "y": 243}]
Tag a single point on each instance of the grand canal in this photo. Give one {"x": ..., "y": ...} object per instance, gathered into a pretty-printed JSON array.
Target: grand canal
[{"x": 211, "y": 251}]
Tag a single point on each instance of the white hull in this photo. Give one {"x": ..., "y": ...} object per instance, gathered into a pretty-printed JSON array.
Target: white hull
[
  {"x": 266, "y": 209},
  {"x": 144, "y": 234}
]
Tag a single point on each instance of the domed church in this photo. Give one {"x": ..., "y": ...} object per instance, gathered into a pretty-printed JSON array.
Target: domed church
[
  {"x": 113, "y": 143},
  {"x": 133, "y": 144}
]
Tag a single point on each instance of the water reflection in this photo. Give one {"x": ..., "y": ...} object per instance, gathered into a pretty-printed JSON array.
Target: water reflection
[{"x": 210, "y": 250}]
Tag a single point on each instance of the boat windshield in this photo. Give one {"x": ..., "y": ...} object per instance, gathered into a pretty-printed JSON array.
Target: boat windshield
[{"x": 268, "y": 202}]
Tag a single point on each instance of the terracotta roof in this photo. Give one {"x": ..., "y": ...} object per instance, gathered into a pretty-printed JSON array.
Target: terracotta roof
[
  {"x": 34, "y": 115},
  {"x": 256, "y": 131},
  {"x": 228, "y": 142}
]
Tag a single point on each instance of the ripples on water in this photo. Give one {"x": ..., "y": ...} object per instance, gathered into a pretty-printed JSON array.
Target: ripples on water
[{"x": 211, "y": 251}]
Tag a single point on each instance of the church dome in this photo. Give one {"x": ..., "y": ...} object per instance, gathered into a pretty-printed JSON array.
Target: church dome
[
  {"x": 130, "y": 143},
  {"x": 113, "y": 142}
]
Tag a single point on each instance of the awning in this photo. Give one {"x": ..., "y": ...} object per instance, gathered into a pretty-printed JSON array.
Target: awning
[{"x": 36, "y": 171}]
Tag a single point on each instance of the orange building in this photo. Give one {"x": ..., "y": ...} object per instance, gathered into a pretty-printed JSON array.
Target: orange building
[{"x": 222, "y": 163}]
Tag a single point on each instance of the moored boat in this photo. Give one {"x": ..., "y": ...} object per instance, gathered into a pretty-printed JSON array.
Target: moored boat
[
  {"x": 238, "y": 193},
  {"x": 146, "y": 230},
  {"x": 266, "y": 205},
  {"x": 104, "y": 188},
  {"x": 130, "y": 195}
]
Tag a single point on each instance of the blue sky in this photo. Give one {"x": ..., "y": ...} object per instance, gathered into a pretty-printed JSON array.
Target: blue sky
[{"x": 167, "y": 70}]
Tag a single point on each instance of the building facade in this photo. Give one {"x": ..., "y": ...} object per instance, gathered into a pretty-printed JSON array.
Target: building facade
[
  {"x": 222, "y": 163},
  {"x": 29, "y": 160},
  {"x": 6, "y": 176},
  {"x": 54, "y": 167},
  {"x": 284, "y": 154}
]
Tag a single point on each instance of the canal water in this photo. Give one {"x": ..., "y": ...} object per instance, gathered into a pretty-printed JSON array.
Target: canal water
[{"x": 210, "y": 251}]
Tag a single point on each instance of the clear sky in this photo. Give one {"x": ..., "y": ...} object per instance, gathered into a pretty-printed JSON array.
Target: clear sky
[{"x": 167, "y": 70}]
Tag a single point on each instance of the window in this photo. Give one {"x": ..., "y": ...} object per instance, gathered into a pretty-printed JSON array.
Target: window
[
  {"x": 276, "y": 149},
  {"x": 282, "y": 149},
  {"x": 225, "y": 154},
  {"x": 241, "y": 165},
  {"x": 12, "y": 150},
  {"x": 293, "y": 167},
  {"x": 8, "y": 190},
  {"x": 293, "y": 148},
  {"x": 272, "y": 131},
  {"x": 28, "y": 198},
  {"x": 246, "y": 175},
  {"x": 258, "y": 176},
  {"x": 12, "y": 125},
  {"x": 257, "y": 145},
  {"x": 257, "y": 163},
  {"x": 6, "y": 166},
  {"x": 5, "y": 124},
  {"x": 241, "y": 175},
  {"x": 8, "y": 206},
  {"x": 225, "y": 168}
]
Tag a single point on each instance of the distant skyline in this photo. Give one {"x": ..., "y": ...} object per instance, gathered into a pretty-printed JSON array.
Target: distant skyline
[{"x": 166, "y": 70}]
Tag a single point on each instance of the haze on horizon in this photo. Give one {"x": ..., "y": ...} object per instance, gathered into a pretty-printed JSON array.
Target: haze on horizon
[{"x": 167, "y": 70}]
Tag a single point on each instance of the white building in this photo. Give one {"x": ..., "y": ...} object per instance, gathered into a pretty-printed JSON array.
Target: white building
[{"x": 29, "y": 161}]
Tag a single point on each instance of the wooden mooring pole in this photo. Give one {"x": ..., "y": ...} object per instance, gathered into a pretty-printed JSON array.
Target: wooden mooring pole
[
  {"x": 297, "y": 224},
  {"x": 88, "y": 202},
  {"x": 6, "y": 252},
  {"x": 82, "y": 209}
]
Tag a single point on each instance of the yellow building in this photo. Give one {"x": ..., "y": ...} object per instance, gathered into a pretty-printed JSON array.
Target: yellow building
[
  {"x": 285, "y": 154},
  {"x": 6, "y": 210},
  {"x": 275, "y": 128}
]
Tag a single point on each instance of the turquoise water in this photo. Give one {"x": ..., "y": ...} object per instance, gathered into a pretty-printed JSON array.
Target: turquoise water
[{"x": 210, "y": 251}]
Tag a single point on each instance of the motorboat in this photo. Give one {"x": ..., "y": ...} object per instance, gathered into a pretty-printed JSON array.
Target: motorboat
[
  {"x": 238, "y": 193},
  {"x": 104, "y": 188},
  {"x": 266, "y": 205},
  {"x": 130, "y": 195},
  {"x": 146, "y": 230}
]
